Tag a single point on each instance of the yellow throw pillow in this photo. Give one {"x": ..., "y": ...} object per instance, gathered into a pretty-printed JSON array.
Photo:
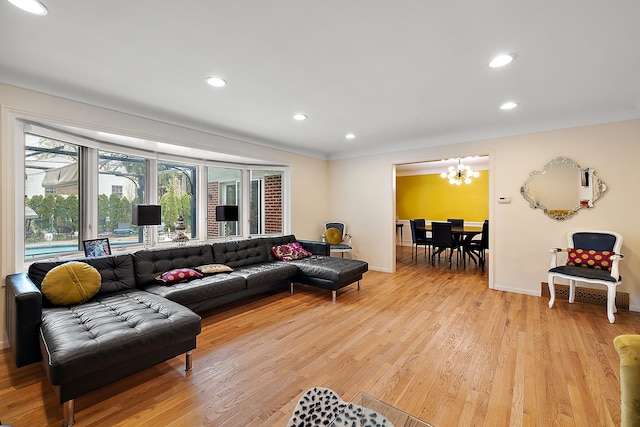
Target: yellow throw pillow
[
  {"x": 333, "y": 236},
  {"x": 71, "y": 283}
]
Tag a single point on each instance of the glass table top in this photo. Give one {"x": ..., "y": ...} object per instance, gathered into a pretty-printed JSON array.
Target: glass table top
[{"x": 367, "y": 411}]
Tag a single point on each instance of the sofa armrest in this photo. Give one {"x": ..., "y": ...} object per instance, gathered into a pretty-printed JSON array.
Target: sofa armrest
[
  {"x": 316, "y": 248},
  {"x": 23, "y": 314}
]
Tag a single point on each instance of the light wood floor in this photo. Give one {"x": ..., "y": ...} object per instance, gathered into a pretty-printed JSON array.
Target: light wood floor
[{"x": 432, "y": 341}]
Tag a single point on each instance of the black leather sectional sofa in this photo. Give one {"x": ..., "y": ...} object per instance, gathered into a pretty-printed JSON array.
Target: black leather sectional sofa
[{"x": 135, "y": 322}]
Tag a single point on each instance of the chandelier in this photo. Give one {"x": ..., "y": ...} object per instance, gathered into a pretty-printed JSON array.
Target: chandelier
[{"x": 460, "y": 174}]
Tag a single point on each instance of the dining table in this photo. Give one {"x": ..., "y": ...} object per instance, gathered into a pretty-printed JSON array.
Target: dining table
[{"x": 460, "y": 235}]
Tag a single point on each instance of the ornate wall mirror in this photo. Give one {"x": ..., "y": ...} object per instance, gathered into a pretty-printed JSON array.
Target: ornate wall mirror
[{"x": 562, "y": 188}]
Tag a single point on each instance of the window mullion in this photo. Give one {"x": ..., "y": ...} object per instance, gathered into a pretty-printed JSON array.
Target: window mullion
[{"x": 88, "y": 193}]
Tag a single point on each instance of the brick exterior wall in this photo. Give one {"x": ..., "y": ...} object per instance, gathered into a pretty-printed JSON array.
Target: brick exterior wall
[
  {"x": 213, "y": 226},
  {"x": 273, "y": 204}
]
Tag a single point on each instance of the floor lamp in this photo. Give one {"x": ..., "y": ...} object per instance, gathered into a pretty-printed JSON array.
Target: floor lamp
[
  {"x": 226, "y": 213},
  {"x": 146, "y": 215}
]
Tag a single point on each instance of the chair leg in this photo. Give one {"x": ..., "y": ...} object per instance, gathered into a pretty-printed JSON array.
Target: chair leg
[
  {"x": 552, "y": 291},
  {"x": 572, "y": 291},
  {"x": 611, "y": 303}
]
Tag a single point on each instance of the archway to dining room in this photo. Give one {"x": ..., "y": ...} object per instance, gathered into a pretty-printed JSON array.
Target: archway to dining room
[{"x": 422, "y": 193}]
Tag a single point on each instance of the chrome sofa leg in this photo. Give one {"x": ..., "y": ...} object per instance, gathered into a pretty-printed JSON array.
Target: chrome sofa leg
[
  {"x": 67, "y": 413},
  {"x": 333, "y": 296},
  {"x": 291, "y": 288},
  {"x": 189, "y": 362}
]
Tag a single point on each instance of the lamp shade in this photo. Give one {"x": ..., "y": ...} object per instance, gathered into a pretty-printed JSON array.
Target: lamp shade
[
  {"x": 226, "y": 213},
  {"x": 146, "y": 215}
]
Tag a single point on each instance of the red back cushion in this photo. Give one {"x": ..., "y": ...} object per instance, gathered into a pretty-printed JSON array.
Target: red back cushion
[{"x": 600, "y": 260}]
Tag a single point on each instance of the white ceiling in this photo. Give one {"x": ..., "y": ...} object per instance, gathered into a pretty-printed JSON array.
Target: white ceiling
[{"x": 398, "y": 74}]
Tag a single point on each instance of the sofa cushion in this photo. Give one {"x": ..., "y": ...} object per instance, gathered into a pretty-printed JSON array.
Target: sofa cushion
[
  {"x": 266, "y": 273},
  {"x": 117, "y": 272},
  {"x": 290, "y": 251},
  {"x": 71, "y": 283},
  {"x": 149, "y": 263},
  {"x": 194, "y": 291},
  {"x": 178, "y": 275},
  {"x": 241, "y": 253}
]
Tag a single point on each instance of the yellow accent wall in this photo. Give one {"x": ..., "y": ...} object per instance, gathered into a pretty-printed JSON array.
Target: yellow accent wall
[{"x": 433, "y": 198}]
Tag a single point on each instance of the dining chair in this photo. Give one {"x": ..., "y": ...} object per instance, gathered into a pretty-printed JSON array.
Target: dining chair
[
  {"x": 592, "y": 257},
  {"x": 457, "y": 227},
  {"x": 442, "y": 240},
  {"x": 419, "y": 237},
  {"x": 477, "y": 248}
]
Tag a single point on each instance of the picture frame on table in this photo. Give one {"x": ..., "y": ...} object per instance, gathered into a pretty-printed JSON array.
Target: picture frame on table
[{"x": 96, "y": 247}]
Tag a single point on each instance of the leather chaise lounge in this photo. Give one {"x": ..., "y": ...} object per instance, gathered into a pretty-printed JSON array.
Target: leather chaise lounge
[
  {"x": 135, "y": 322},
  {"x": 120, "y": 331}
]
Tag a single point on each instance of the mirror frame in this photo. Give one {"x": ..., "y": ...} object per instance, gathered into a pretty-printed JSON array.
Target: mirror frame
[{"x": 599, "y": 188}]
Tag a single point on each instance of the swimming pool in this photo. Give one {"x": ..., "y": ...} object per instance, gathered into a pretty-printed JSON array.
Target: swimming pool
[
  {"x": 44, "y": 251},
  {"x": 48, "y": 250}
]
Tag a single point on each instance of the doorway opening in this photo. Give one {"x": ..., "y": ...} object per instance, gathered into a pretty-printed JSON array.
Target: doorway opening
[{"x": 421, "y": 191}]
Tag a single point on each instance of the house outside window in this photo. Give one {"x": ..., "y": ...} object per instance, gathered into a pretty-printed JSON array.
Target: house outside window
[
  {"x": 117, "y": 190},
  {"x": 51, "y": 196}
]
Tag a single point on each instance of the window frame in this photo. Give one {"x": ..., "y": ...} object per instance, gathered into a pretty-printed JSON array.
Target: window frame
[{"x": 89, "y": 183}]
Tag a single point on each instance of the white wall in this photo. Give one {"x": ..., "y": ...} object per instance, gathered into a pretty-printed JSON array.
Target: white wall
[
  {"x": 309, "y": 181},
  {"x": 362, "y": 194},
  {"x": 361, "y": 191}
]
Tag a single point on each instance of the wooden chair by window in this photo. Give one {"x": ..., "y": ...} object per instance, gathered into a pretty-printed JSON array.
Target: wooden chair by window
[
  {"x": 419, "y": 237},
  {"x": 592, "y": 257},
  {"x": 335, "y": 233},
  {"x": 442, "y": 240}
]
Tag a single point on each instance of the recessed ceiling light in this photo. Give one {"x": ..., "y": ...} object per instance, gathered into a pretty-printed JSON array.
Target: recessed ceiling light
[
  {"x": 350, "y": 136},
  {"x": 508, "y": 106},
  {"x": 31, "y": 6},
  {"x": 501, "y": 61},
  {"x": 216, "y": 81},
  {"x": 299, "y": 116}
]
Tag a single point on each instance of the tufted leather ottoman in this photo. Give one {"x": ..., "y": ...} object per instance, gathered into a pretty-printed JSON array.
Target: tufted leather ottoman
[
  {"x": 87, "y": 346},
  {"x": 329, "y": 272}
]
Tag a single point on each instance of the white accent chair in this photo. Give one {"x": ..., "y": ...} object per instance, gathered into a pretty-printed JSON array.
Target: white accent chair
[
  {"x": 590, "y": 266},
  {"x": 339, "y": 242}
]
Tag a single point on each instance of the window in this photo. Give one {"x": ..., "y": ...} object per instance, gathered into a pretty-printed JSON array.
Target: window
[
  {"x": 223, "y": 188},
  {"x": 121, "y": 183},
  {"x": 117, "y": 190},
  {"x": 80, "y": 189},
  {"x": 51, "y": 196},
  {"x": 177, "y": 195},
  {"x": 266, "y": 202}
]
